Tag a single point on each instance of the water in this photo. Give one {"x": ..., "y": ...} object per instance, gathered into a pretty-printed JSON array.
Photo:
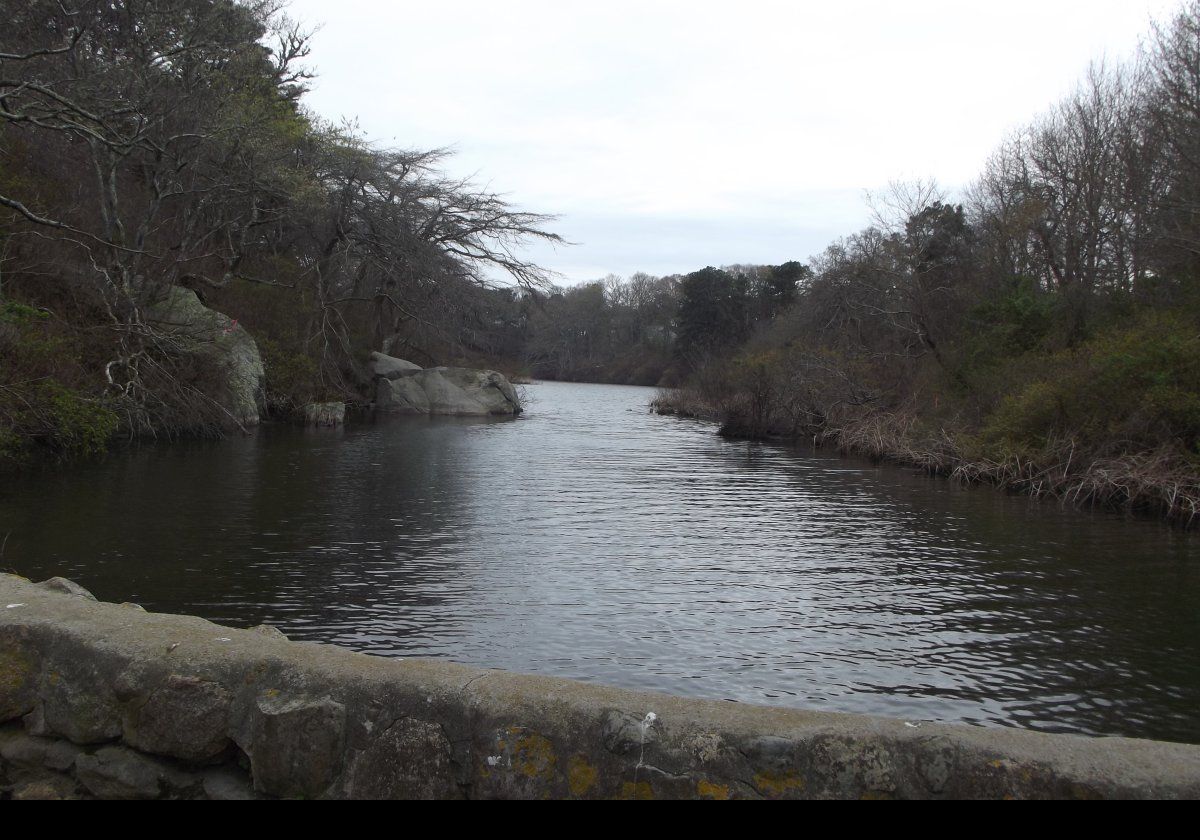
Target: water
[{"x": 594, "y": 540}]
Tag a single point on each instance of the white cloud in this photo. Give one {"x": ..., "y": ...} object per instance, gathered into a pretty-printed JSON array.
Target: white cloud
[{"x": 675, "y": 134}]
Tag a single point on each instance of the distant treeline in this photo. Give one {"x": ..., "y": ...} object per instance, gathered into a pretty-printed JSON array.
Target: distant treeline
[{"x": 642, "y": 330}]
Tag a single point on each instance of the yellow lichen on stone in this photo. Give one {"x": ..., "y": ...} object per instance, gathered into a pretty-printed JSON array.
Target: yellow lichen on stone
[
  {"x": 1083, "y": 792},
  {"x": 533, "y": 756},
  {"x": 18, "y": 674},
  {"x": 708, "y": 790},
  {"x": 778, "y": 785},
  {"x": 581, "y": 776},
  {"x": 15, "y": 672},
  {"x": 637, "y": 790}
]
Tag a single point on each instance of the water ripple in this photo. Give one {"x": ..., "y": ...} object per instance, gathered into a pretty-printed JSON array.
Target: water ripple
[{"x": 593, "y": 540}]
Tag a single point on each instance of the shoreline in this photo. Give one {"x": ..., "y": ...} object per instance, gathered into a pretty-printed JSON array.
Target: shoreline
[{"x": 1141, "y": 484}]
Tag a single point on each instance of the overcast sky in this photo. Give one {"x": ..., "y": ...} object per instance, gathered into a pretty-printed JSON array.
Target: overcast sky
[{"x": 673, "y": 135}]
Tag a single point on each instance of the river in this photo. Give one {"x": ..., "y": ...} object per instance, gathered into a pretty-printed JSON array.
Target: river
[{"x": 594, "y": 540}]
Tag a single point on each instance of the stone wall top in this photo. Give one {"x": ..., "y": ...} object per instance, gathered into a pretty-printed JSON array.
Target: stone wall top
[{"x": 139, "y": 704}]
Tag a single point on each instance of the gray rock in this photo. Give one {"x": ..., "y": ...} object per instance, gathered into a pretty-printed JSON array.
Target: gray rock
[
  {"x": 186, "y": 718},
  {"x": 29, "y": 752},
  {"x": 401, "y": 396},
  {"x": 67, "y": 587},
  {"x": 623, "y": 734},
  {"x": 411, "y": 760},
  {"x": 455, "y": 392},
  {"x": 390, "y": 367},
  {"x": 206, "y": 332},
  {"x": 295, "y": 744},
  {"x": 18, "y": 675},
  {"x": 51, "y": 787},
  {"x": 270, "y": 632},
  {"x": 120, "y": 773},
  {"x": 76, "y": 701}
]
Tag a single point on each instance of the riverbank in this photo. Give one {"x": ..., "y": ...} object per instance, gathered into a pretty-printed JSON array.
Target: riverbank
[
  {"x": 108, "y": 701},
  {"x": 1152, "y": 483}
]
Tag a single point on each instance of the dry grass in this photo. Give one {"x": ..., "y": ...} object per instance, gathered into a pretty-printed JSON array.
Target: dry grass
[
  {"x": 894, "y": 437},
  {"x": 683, "y": 402},
  {"x": 1158, "y": 482},
  {"x": 1162, "y": 482}
]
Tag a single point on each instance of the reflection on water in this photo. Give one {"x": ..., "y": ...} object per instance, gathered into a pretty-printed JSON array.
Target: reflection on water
[{"x": 591, "y": 539}]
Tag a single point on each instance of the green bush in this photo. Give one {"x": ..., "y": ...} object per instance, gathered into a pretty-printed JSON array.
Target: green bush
[
  {"x": 42, "y": 404},
  {"x": 1001, "y": 332},
  {"x": 1014, "y": 324},
  {"x": 292, "y": 377},
  {"x": 77, "y": 426},
  {"x": 12, "y": 446},
  {"x": 1129, "y": 389},
  {"x": 47, "y": 414},
  {"x": 16, "y": 313}
]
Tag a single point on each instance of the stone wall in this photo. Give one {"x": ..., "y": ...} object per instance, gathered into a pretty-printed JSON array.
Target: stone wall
[{"x": 105, "y": 700}]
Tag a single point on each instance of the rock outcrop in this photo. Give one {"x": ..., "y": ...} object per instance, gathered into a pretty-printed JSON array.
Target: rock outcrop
[
  {"x": 391, "y": 367},
  {"x": 218, "y": 337},
  {"x": 404, "y": 388},
  {"x": 105, "y": 701}
]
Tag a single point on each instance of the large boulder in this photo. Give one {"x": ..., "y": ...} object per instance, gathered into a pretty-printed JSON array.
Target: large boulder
[
  {"x": 214, "y": 335},
  {"x": 390, "y": 366},
  {"x": 404, "y": 388}
]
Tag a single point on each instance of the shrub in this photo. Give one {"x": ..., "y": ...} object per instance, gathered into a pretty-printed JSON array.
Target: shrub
[
  {"x": 48, "y": 414},
  {"x": 1126, "y": 390},
  {"x": 292, "y": 377}
]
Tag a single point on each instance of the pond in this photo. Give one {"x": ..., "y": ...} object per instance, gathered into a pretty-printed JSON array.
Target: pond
[{"x": 594, "y": 540}]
